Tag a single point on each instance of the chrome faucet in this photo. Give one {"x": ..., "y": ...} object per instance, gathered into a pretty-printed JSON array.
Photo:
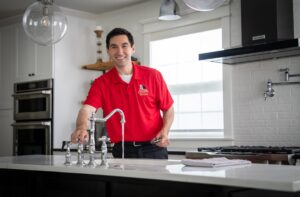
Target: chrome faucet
[
  {"x": 103, "y": 139},
  {"x": 287, "y": 73},
  {"x": 92, "y": 148},
  {"x": 270, "y": 92},
  {"x": 80, "y": 156},
  {"x": 68, "y": 154},
  {"x": 93, "y": 120}
]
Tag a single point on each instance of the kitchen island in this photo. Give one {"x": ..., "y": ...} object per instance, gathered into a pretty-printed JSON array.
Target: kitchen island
[{"x": 39, "y": 175}]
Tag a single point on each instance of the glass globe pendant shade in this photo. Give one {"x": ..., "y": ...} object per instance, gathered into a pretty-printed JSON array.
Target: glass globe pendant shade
[
  {"x": 203, "y": 5},
  {"x": 44, "y": 22}
]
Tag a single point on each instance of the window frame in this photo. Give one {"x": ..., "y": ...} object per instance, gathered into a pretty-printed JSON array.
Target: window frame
[
  {"x": 217, "y": 85},
  {"x": 188, "y": 24}
]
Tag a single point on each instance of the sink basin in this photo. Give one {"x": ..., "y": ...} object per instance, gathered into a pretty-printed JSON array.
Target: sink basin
[
  {"x": 155, "y": 162},
  {"x": 130, "y": 164},
  {"x": 141, "y": 164}
]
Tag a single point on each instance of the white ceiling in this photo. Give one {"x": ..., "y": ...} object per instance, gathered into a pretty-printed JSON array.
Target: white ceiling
[{"x": 10, "y": 8}]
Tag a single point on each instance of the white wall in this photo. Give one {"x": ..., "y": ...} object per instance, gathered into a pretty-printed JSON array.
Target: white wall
[
  {"x": 71, "y": 82},
  {"x": 255, "y": 121}
]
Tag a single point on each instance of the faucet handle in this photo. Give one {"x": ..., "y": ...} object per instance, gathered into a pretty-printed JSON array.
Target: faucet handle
[
  {"x": 104, "y": 139},
  {"x": 286, "y": 72},
  {"x": 68, "y": 154},
  {"x": 80, "y": 156}
]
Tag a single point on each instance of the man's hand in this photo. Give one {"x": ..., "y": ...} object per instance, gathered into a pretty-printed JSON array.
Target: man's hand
[
  {"x": 163, "y": 135},
  {"x": 79, "y": 135},
  {"x": 162, "y": 140}
]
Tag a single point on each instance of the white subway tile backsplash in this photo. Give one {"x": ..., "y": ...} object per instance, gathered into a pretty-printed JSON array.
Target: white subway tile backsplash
[
  {"x": 275, "y": 64},
  {"x": 295, "y": 123},
  {"x": 289, "y": 115},
  {"x": 282, "y": 124},
  {"x": 295, "y": 90},
  {"x": 295, "y": 62},
  {"x": 296, "y": 107},
  {"x": 277, "y": 108},
  {"x": 244, "y": 116},
  {"x": 265, "y": 116},
  {"x": 271, "y": 122}
]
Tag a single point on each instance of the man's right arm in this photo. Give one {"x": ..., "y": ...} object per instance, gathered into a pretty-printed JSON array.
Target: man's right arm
[{"x": 81, "y": 133}]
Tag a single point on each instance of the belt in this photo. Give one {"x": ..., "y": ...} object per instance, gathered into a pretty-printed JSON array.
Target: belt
[{"x": 135, "y": 144}]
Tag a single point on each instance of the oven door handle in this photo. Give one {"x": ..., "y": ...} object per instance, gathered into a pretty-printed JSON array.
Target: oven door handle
[
  {"x": 42, "y": 92},
  {"x": 42, "y": 123}
]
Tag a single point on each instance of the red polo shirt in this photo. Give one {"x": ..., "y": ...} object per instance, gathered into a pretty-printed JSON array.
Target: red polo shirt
[{"x": 141, "y": 101}]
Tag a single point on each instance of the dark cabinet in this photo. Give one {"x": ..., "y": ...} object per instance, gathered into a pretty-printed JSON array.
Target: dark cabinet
[
  {"x": 251, "y": 193},
  {"x": 58, "y": 184},
  {"x": 158, "y": 188},
  {"x": 15, "y": 184},
  {"x": 22, "y": 183}
]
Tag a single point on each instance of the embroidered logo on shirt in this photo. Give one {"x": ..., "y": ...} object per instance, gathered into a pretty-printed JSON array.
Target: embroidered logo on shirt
[{"x": 143, "y": 90}]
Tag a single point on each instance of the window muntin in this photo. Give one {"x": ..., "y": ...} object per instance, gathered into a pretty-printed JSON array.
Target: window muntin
[{"x": 196, "y": 85}]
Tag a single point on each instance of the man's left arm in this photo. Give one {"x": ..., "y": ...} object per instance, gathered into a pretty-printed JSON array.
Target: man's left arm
[{"x": 163, "y": 135}]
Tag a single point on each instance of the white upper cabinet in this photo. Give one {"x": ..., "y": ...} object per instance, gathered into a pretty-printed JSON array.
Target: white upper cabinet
[
  {"x": 8, "y": 50},
  {"x": 34, "y": 62}
]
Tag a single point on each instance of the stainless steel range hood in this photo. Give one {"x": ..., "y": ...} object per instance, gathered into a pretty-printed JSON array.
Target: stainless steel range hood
[
  {"x": 285, "y": 48},
  {"x": 267, "y": 32}
]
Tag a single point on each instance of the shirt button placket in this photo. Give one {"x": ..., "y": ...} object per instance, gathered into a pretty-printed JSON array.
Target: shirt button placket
[{"x": 127, "y": 96}]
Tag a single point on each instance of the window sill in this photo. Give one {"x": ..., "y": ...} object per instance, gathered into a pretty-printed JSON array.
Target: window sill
[{"x": 192, "y": 143}]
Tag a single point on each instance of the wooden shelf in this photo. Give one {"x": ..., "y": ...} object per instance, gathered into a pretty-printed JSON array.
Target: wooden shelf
[
  {"x": 99, "y": 65},
  {"x": 102, "y": 66}
]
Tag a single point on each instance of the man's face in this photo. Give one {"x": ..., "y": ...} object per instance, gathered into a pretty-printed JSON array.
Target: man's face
[{"x": 120, "y": 50}]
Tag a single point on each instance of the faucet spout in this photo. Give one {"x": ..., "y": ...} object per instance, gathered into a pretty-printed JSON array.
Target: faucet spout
[
  {"x": 270, "y": 91},
  {"x": 110, "y": 115},
  {"x": 93, "y": 120}
]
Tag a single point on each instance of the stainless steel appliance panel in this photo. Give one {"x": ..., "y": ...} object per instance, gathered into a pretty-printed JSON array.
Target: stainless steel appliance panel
[
  {"x": 32, "y": 138},
  {"x": 33, "y": 105},
  {"x": 33, "y": 115}
]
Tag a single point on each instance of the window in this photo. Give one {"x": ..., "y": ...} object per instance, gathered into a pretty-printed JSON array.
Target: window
[{"x": 196, "y": 85}]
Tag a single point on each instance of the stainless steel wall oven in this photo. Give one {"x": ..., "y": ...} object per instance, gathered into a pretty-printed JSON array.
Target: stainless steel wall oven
[{"x": 33, "y": 115}]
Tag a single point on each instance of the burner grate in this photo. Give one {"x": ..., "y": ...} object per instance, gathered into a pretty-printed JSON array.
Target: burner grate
[{"x": 251, "y": 149}]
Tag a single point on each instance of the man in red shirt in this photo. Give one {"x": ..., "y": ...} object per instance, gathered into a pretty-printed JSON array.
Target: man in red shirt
[{"x": 140, "y": 92}]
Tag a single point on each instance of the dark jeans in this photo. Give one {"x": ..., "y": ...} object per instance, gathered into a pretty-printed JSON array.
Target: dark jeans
[{"x": 150, "y": 151}]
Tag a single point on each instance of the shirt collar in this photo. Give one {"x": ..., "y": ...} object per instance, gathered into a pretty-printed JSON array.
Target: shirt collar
[{"x": 135, "y": 74}]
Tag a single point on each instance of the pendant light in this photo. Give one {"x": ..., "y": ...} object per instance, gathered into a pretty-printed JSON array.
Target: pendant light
[
  {"x": 169, "y": 11},
  {"x": 44, "y": 22},
  {"x": 204, "y": 5}
]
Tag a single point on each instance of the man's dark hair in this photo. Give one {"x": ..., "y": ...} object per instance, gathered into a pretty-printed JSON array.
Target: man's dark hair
[{"x": 117, "y": 32}]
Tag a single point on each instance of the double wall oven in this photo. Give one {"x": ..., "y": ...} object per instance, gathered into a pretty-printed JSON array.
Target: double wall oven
[{"x": 33, "y": 115}]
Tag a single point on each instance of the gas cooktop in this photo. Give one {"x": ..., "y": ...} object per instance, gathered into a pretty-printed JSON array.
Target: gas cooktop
[{"x": 252, "y": 149}]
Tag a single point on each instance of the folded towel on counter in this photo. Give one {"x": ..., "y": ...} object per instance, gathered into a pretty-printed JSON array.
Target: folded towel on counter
[{"x": 214, "y": 162}]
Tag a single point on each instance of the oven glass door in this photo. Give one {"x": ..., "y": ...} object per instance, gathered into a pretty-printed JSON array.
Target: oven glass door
[
  {"x": 32, "y": 138},
  {"x": 33, "y": 105}
]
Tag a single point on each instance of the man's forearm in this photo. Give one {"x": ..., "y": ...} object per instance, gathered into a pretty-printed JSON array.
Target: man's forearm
[
  {"x": 82, "y": 120},
  {"x": 80, "y": 132},
  {"x": 168, "y": 117}
]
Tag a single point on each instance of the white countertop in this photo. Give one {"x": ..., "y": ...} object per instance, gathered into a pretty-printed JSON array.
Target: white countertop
[{"x": 260, "y": 176}]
